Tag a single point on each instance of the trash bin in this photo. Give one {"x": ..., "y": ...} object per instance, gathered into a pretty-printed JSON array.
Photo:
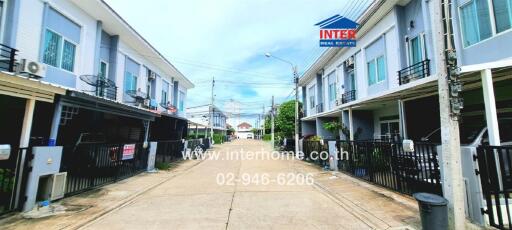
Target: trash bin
[{"x": 433, "y": 211}]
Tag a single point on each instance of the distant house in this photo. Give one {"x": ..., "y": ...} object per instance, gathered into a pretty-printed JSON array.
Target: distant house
[{"x": 243, "y": 131}]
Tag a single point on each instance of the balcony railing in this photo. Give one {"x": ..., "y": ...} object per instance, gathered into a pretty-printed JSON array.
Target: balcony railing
[
  {"x": 320, "y": 108},
  {"x": 106, "y": 89},
  {"x": 7, "y": 58},
  {"x": 348, "y": 96},
  {"x": 414, "y": 72}
]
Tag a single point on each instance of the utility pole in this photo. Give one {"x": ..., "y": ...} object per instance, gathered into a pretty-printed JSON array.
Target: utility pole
[
  {"x": 264, "y": 119},
  {"x": 272, "y": 121},
  {"x": 211, "y": 110},
  {"x": 296, "y": 80},
  {"x": 450, "y": 155}
]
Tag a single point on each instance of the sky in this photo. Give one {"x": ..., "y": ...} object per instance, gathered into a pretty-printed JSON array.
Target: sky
[{"x": 227, "y": 40}]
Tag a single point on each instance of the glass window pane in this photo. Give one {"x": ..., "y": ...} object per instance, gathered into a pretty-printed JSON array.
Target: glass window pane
[
  {"x": 372, "y": 78},
  {"x": 103, "y": 70},
  {"x": 475, "y": 22},
  {"x": 415, "y": 51},
  {"x": 130, "y": 81},
  {"x": 68, "y": 56},
  {"x": 52, "y": 43},
  {"x": 381, "y": 67},
  {"x": 502, "y": 14}
]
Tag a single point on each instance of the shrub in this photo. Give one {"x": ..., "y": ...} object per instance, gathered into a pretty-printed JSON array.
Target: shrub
[
  {"x": 218, "y": 138},
  {"x": 267, "y": 137}
]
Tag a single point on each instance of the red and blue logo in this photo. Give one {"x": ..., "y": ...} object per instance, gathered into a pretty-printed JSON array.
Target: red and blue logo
[{"x": 337, "y": 31}]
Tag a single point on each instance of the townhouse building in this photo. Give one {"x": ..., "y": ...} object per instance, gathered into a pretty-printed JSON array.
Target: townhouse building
[
  {"x": 386, "y": 88},
  {"x": 206, "y": 117},
  {"x": 111, "y": 73},
  {"x": 77, "y": 75},
  {"x": 392, "y": 62},
  {"x": 244, "y": 131}
]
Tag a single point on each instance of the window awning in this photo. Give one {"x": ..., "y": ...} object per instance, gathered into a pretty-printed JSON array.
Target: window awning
[
  {"x": 28, "y": 88},
  {"x": 86, "y": 101}
]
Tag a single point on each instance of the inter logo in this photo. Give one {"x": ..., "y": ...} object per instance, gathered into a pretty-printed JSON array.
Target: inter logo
[{"x": 337, "y": 31}]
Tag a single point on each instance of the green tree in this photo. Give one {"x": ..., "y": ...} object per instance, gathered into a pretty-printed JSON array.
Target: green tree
[{"x": 285, "y": 119}]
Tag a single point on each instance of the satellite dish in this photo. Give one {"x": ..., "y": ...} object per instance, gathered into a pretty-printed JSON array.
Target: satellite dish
[
  {"x": 136, "y": 94},
  {"x": 94, "y": 80}
]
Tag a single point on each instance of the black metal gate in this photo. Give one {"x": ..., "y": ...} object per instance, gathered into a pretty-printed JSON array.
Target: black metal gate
[
  {"x": 10, "y": 179},
  {"x": 387, "y": 164},
  {"x": 93, "y": 165},
  {"x": 168, "y": 151},
  {"x": 496, "y": 180}
]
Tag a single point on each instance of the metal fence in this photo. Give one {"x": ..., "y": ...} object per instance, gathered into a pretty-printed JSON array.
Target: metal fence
[
  {"x": 92, "y": 165},
  {"x": 313, "y": 150},
  {"x": 496, "y": 180},
  {"x": 386, "y": 164},
  {"x": 193, "y": 144},
  {"x": 168, "y": 151},
  {"x": 10, "y": 178}
]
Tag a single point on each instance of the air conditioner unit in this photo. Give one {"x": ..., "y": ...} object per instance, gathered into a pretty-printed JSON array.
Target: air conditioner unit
[
  {"x": 33, "y": 68},
  {"x": 147, "y": 102},
  {"x": 152, "y": 76},
  {"x": 58, "y": 185},
  {"x": 349, "y": 63}
]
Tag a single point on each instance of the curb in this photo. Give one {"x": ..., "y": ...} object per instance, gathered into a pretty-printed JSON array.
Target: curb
[{"x": 124, "y": 202}]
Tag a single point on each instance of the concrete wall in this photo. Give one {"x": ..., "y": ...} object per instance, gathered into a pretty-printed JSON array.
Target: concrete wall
[{"x": 308, "y": 128}]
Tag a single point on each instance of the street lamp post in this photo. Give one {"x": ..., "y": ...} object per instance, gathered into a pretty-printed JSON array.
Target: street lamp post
[{"x": 296, "y": 81}]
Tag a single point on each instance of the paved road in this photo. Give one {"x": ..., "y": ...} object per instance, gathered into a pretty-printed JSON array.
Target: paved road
[{"x": 195, "y": 199}]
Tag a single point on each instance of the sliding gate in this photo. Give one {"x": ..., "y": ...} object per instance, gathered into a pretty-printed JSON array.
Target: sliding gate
[{"x": 496, "y": 180}]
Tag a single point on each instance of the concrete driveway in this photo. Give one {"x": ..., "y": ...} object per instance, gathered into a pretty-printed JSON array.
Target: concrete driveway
[{"x": 203, "y": 198}]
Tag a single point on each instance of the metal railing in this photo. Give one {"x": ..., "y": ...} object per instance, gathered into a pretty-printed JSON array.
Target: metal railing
[
  {"x": 414, "y": 72},
  {"x": 106, "y": 89},
  {"x": 7, "y": 58},
  {"x": 92, "y": 165},
  {"x": 496, "y": 179},
  {"x": 312, "y": 151},
  {"x": 386, "y": 164},
  {"x": 348, "y": 96},
  {"x": 168, "y": 151}
]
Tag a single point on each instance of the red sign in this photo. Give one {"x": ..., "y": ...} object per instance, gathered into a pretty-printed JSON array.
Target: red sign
[{"x": 128, "y": 151}]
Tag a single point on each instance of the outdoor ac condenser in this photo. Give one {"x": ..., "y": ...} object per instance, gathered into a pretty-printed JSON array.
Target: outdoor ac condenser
[{"x": 58, "y": 185}]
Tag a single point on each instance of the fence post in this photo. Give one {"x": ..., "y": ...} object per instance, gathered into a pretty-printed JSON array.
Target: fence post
[
  {"x": 333, "y": 155},
  {"x": 152, "y": 156}
]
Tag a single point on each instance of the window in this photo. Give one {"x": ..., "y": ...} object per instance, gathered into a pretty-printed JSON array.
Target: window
[
  {"x": 332, "y": 87},
  {"x": 68, "y": 56},
  {"x": 103, "y": 70},
  {"x": 130, "y": 81},
  {"x": 416, "y": 50},
  {"x": 376, "y": 70},
  {"x": 58, "y": 52},
  {"x": 182, "y": 101},
  {"x": 165, "y": 92},
  {"x": 311, "y": 93},
  {"x": 52, "y": 42},
  {"x": 389, "y": 130},
  {"x": 502, "y": 14},
  {"x": 475, "y": 22}
]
